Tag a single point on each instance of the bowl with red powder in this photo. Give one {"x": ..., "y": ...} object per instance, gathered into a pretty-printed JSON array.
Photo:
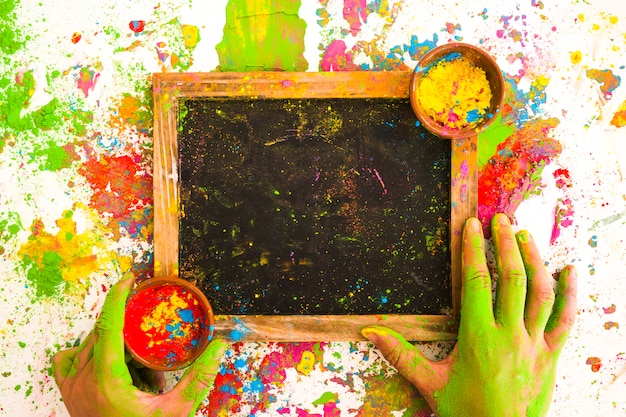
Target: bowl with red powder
[
  {"x": 456, "y": 90},
  {"x": 168, "y": 323}
]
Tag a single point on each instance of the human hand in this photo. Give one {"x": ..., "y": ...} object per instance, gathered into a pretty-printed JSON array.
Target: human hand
[
  {"x": 504, "y": 361},
  {"x": 96, "y": 381}
]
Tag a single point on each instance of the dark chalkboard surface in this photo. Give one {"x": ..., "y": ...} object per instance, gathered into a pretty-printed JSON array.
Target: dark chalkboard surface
[
  {"x": 314, "y": 206},
  {"x": 308, "y": 205}
]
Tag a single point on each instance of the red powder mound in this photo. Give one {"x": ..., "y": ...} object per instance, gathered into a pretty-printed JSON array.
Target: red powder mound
[{"x": 165, "y": 325}]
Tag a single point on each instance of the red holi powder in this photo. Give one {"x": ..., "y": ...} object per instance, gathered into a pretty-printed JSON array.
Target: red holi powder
[
  {"x": 513, "y": 172},
  {"x": 595, "y": 362},
  {"x": 165, "y": 325},
  {"x": 137, "y": 26},
  {"x": 76, "y": 37}
]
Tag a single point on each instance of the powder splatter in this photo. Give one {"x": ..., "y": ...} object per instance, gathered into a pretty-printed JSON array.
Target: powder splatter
[
  {"x": 619, "y": 118},
  {"x": 563, "y": 217},
  {"x": 575, "y": 57},
  {"x": 61, "y": 262},
  {"x": 269, "y": 36},
  {"x": 513, "y": 173},
  {"x": 355, "y": 12},
  {"x": 87, "y": 78},
  {"x": 122, "y": 188},
  {"x": 610, "y": 325},
  {"x": 607, "y": 80},
  {"x": 137, "y": 26},
  {"x": 609, "y": 310},
  {"x": 191, "y": 35},
  {"x": 132, "y": 111},
  {"x": 595, "y": 362}
]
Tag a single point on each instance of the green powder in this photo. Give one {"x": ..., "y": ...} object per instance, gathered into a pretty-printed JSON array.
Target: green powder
[
  {"x": 46, "y": 278},
  {"x": 262, "y": 35}
]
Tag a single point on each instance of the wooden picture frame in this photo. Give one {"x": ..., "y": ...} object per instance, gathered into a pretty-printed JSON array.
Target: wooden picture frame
[{"x": 170, "y": 87}]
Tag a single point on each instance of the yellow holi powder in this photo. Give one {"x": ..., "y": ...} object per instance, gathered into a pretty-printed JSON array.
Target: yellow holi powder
[
  {"x": 575, "y": 57},
  {"x": 307, "y": 363},
  {"x": 165, "y": 312},
  {"x": 455, "y": 94}
]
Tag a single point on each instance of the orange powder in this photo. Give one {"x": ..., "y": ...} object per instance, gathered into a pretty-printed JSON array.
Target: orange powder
[{"x": 455, "y": 93}]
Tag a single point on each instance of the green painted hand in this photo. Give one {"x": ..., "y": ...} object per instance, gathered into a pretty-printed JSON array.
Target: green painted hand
[
  {"x": 504, "y": 361},
  {"x": 96, "y": 381}
]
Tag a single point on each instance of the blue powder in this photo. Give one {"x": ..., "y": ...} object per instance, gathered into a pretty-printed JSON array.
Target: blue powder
[{"x": 186, "y": 315}]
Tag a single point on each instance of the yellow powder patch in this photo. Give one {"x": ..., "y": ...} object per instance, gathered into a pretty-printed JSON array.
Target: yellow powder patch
[
  {"x": 619, "y": 118},
  {"x": 575, "y": 57},
  {"x": 455, "y": 94},
  {"x": 165, "y": 312},
  {"x": 307, "y": 363}
]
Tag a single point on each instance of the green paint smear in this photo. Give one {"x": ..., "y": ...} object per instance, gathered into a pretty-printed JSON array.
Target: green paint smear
[
  {"x": 15, "y": 98},
  {"x": 489, "y": 140},
  {"x": 262, "y": 35},
  {"x": 326, "y": 398},
  {"x": 47, "y": 279},
  {"x": 10, "y": 41},
  {"x": 54, "y": 157}
]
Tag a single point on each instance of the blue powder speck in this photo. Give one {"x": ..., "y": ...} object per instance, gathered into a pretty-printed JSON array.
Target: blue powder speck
[{"x": 186, "y": 315}]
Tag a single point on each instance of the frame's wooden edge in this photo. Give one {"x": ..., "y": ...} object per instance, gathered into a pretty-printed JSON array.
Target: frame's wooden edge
[
  {"x": 169, "y": 87},
  {"x": 463, "y": 185},
  {"x": 345, "y": 84},
  {"x": 336, "y": 328},
  {"x": 165, "y": 179}
]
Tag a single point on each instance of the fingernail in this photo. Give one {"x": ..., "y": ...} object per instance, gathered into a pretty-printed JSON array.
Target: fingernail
[
  {"x": 523, "y": 236},
  {"x": 503, "y": 219},
  {"x": 371, "y": 334},
  {"x": 473, "y": 224}
]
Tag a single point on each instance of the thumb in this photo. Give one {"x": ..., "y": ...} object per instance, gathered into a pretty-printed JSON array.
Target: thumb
[
  {"x": 198, "y": 380},
  {"x": 406, "y": 358}
]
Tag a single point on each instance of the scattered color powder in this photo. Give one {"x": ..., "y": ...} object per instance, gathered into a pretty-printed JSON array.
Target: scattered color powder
[
  {"x": 595, "y": 363},
  {"x": 191, "y": 35},
  {"x": 137, "y": 26},
  {"x": 619, "y": 118},
  {"x": 575, "y": 57},
  {"x": 455, "y": 94},
  {"x": 611, "y": 324},
  {"x": 607, "y": 80},
  {"x": 165, "y": 325}
]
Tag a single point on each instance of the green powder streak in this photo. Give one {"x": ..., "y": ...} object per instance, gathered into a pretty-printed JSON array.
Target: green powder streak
[
  {"x": 262, "y": 35},
  {"x": 489, "y": 140},
  {"x": 54, "y": 157},
  {"x": 47, "y": 278},
  {"x": 9, "y": 38}
]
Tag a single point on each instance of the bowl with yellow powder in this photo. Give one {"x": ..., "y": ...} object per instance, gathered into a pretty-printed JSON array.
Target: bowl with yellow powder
[
  {"x": 168, "y": 323},
  {"x": 456, "y": 90}
]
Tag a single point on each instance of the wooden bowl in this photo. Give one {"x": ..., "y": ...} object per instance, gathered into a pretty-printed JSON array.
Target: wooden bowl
[
  {"x": 477, "y": 57},
  {"x": 168, "y": 323}
]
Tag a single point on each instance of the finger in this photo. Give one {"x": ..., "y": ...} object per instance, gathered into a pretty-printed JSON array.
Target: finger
[
  {"x": 109, "y": 348},
  {"x": 511, "y": 287},
  {"x": 406, "y": 358},
  {"x": 563, "y": 315},
  {"x": 476, "y": 299},
  {"x": 540, "y": 296},
  {"x": 198, "y": 380},
  {"x": 67, "y": 363}
]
